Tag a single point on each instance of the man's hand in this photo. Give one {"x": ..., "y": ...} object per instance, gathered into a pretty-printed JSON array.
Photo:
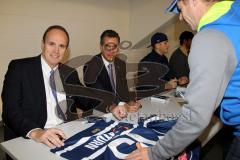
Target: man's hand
[
  {"x": 139, "y": 154},
  {"x": 51, "y": 137},
  {"x": 133, "y": 106},
  {"x": 183, "y": 80},
  {"x": 119, "y": 112},
  {"x": 171, "y": 84}
]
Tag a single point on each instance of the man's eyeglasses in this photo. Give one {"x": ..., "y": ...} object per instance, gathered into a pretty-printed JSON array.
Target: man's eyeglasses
[{"x": 110, "y": 46}]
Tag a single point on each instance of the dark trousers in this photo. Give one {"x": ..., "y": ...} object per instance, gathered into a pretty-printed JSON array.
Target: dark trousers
[{"x": 234, "y": 151}]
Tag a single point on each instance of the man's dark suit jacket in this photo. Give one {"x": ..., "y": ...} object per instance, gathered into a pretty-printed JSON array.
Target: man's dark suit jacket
[
  {"x": 96, "y": 76},
  {"x": 24, "y": 98}
]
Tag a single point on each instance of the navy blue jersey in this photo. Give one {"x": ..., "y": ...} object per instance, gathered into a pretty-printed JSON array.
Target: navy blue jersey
[{"x": 113, "y": 140}]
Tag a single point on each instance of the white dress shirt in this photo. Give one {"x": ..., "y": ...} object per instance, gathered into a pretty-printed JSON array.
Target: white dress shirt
[
  {"x": 52, "y": 118},
  {"x": 106, "y": 63}
]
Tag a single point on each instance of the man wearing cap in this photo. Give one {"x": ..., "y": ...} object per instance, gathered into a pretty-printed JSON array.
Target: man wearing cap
[
  {"x": 160, "y": 46},
  {"x": 178, "y": 62},
  {"x": 214, "y": 77}
]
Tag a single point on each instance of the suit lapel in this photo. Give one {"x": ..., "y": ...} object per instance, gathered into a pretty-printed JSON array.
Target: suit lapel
[
  {"x": 121, "y": 81},
  {"x": 118, "y": 73},
  {"x": 105, "y": 77},
  {"x": 37, "y": 77}
]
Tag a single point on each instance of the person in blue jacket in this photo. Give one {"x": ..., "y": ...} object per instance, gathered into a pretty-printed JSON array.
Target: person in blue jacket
[{"x": 214, "y": 77}]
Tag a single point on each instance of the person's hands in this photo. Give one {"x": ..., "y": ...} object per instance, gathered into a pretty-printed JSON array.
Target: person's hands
[
  {"x": 51, "y": 137},
  {"x": 139, "y": 154},
  {"x": 119, "y": 111},
  {"x": 79, "y": 113},
  {"x": 171, "y": 84},
  {"x": 183, "y": 80},
  {"x": 133, "y": 106}
]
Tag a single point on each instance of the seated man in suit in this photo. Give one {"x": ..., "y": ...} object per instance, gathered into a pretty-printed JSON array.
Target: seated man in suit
[
  {"x": 28, "y": 102},
  {"x": 107, "y": 72},
  {"x": 31, "y": 101}
]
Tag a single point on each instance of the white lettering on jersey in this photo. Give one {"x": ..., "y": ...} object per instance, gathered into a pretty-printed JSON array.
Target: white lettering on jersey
[{"x": 100, "y": 140}]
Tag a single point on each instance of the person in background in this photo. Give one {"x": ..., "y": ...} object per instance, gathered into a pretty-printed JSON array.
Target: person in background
[
  {"x": 214, "y": 77},
  {"x": 160, "y": 46},
  {"x": 107, "y": 72},
  {"x": 178, "y": 62}
]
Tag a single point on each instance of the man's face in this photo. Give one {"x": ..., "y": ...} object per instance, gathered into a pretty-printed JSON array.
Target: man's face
[
  {"x": 188, "y": 12},
  {"x": 162, "y": 47},
  {"x": 109, "y": 48},
  {"x": 188, "y": 43},
  {"x": 54, "y": 47}
]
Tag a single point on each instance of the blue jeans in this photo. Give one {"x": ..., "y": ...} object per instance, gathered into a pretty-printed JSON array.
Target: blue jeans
[{"x": 234, "y": 151}]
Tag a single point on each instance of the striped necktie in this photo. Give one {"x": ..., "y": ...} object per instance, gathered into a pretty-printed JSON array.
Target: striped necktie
[
  {"x": 110, "y": 72},
  {"x": 54, "y": 92}
]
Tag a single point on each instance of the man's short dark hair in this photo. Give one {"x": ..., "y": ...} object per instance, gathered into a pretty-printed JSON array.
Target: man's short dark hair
[
  {"x": 109, "y": 33},
  {"x": 56, "y": 27},
  {"x": 186, "y": 35}
]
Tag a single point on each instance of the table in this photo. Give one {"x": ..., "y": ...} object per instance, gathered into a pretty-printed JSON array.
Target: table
[{"x": 26, "y": 149}]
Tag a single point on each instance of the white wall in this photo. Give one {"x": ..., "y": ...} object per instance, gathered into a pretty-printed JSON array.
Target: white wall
[
  {"x": 23, "y": 22},
  {"x": 146, "y": 16}
]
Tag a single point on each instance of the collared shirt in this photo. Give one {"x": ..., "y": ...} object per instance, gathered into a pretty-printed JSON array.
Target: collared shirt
[
  {"x": 106, "y": 63},
  {"x": 52, "y": 118}
]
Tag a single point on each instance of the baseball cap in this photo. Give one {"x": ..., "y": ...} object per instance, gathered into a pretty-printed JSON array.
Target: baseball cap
[
  {"x": 173, "y": 7},
  {"x": 158, "y": 37}
]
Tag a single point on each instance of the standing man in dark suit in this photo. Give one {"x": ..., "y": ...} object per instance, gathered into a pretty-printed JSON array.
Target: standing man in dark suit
[
  {"x": 107, "y": 72},
  {"x": 31, "y": 105}
]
